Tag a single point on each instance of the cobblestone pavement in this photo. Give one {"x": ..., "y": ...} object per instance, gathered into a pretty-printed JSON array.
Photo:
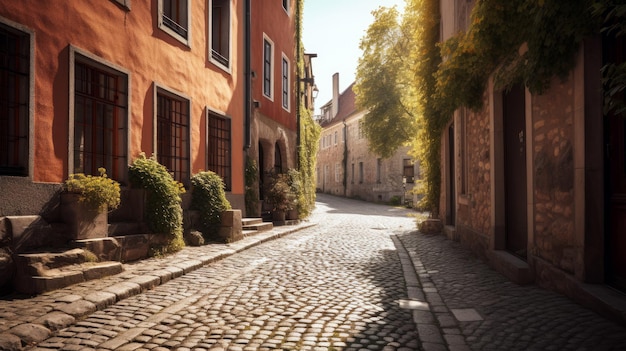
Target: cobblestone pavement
[
  {"x": 497, "y": 314},
  {"x": 335, "y": 286},
  {"x": 361, "y": 279}
]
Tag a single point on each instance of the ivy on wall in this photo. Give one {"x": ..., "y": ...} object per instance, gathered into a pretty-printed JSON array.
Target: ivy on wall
[{"x": 309, "y": 133}]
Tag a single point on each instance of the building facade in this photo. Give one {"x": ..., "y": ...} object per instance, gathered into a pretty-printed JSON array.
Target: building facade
[
  {"x": 91, "y": 85},
  {"x": 528, "y": 185},
  {"x": 346, "y": 166},
  {"x": 273, "y": 85}
]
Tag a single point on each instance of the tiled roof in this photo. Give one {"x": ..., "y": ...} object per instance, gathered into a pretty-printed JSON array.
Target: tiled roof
[{"x": 347, "y": 106}]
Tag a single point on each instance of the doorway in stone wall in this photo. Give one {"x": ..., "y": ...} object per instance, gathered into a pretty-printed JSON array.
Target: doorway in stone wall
[
  {"x": 614, "y": 51},
  {"x": 515, "y": 196}
]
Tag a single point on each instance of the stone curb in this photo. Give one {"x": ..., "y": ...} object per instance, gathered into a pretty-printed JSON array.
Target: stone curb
[
  {"x": 77, "y": 302},
  {"x": 436, "y": 325}
]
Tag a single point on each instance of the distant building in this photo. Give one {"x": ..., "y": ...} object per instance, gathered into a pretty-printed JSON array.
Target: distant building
[{"x": 346, "y": 166}]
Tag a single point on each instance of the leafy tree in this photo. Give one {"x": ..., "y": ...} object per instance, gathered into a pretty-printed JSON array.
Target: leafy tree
[
  {"x": 383, "y": 84},
  {"x": 395, "y": 84}
]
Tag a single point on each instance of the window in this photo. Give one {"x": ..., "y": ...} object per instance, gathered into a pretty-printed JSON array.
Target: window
[
  {"x": 361, "y": 129},
  {"x": 100, "y": 118},
  {"x": 408, "y": 170},
  {"x": 360, "y": 172},
  {"x": 219, "y": 147},
  {"x": 337, "y": 172},
  {"x": 278, "y": 159},
  {"x": 14, "y": 101},
  {"x": 285, "y": 76},
  {"x": 268, "y": 69},
  {"x": 379, "y": 166},
  {"x": 125, "y": 4},
  {"x": 174, "y": 17},
  {"x": 286, "y": 5},
  {"x": 352, "y": 175},
  {"x": 220, "y": 32},
  {"x": 335, "y": 137},
  {"x": 173, "y": 134}
]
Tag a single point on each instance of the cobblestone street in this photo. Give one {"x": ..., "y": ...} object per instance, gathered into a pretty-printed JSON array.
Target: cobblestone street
[
  {"x": 363, "y": 278},
  {"x": 332, "y": 286}
]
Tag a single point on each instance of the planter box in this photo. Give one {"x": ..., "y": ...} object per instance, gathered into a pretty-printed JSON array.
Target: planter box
[{"x": 82, "y": 222}]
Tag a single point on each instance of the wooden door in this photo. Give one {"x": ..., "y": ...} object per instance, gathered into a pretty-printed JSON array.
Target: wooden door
[{"x": 516, "y": 225}]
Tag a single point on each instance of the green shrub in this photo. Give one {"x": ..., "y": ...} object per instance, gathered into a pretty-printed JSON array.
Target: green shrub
[
  {"x": 98, "y": 192},
  {"x": 208, "y": 197},
  {"x": 395, "y": 200},
  {"x": 164, "y": 213},
  {"x": 294, "y": 180},
  {"x": 251, "y": 194}
]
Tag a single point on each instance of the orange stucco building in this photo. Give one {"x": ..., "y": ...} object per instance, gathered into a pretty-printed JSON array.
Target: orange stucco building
[{"x": 94, "y": 84}]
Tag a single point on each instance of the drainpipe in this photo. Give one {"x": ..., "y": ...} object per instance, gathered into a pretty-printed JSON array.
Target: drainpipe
[
  {"x": 247, "y": 83},
  {"x": 345, "y": 158}
]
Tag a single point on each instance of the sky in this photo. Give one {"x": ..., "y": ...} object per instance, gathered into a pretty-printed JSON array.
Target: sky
[{"x": 333, "y": 29}]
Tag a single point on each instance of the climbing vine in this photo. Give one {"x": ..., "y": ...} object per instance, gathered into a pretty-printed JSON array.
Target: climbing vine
[
  {"x": 309, "y": 133},
  {"x": 526, "y": 41}
]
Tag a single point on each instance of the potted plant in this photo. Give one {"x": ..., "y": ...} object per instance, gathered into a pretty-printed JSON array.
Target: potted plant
[
  {"x": 279, "y": 196},
  {"x": 295, "y": 188},
  {"x": 85, "y": 201}
]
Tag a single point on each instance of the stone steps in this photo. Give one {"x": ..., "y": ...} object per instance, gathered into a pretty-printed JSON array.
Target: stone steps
[
  {"x": 255, "y": 224},
  {"x": 45, "y": 271}
]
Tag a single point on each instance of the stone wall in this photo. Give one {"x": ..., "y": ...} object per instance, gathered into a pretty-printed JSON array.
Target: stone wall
[
  {"x": 474, "y": 210},
  {"x": 553, "y": 167}
]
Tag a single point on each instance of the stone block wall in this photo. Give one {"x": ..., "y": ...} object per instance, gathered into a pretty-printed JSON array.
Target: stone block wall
[
  {"x": 474, "y": 210},
  {"x": 553, "y": 167}
]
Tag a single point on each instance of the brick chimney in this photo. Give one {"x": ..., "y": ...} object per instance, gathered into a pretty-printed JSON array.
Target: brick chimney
[{"x": 335, "y": 104}]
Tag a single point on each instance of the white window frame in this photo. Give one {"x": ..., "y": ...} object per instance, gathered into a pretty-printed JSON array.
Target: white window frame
[
  {"x": 337, "y": 172},
  {"x": 170, "y": 31},
  {"x": 228, "y": 66},
  {"x": 286, "y": 71},
  {"x": 269, "y": 96},
  {"x": 286, "y": 6}
]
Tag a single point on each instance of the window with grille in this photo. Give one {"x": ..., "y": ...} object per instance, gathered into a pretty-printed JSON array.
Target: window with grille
[
  {"x": 173, "y": 134},
  {"x": 220, "y": 32},
  {"x": 100, "y": 119},
  {"x": 408, "y": 170},
  {"x": 285, "y": 75},
  {"x": 14, "y": 101},
  {"x": 268, "y": 50},
  {"x": 174, "y": 18},
  {"x": 219, "y": 147}
]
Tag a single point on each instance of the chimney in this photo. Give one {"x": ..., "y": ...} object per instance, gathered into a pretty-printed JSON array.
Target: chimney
[{"x": 335, "y": 104}]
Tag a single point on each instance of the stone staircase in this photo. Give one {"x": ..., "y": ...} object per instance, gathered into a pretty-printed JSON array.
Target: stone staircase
[
  {"x": 40, "y": 272},
  {"x": 252, "y": 226},
  {"x": 37, "y": 256}
]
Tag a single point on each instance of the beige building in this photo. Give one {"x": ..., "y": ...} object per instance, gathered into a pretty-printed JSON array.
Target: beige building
[
  {"x": 527, "y": 183},
  {"x": 346, "y": 167}
]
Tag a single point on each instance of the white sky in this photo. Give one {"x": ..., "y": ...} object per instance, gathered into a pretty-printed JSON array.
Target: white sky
[{"x": 333, "y": 30}]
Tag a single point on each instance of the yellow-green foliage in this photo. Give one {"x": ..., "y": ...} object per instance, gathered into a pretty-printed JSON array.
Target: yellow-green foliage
[
  {"x": 208, "y": 197},
  {"x": 163, "y": 209},
  {"x": 98, "y": 192},
  {"x": 395, "y": 84},
  {"x": 309, "y": 135}
]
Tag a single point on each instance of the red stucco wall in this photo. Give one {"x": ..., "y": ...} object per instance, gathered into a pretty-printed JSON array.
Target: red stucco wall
[
  {"x": 272, "y": 20},
  {"x": 133, "y": 41}
]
